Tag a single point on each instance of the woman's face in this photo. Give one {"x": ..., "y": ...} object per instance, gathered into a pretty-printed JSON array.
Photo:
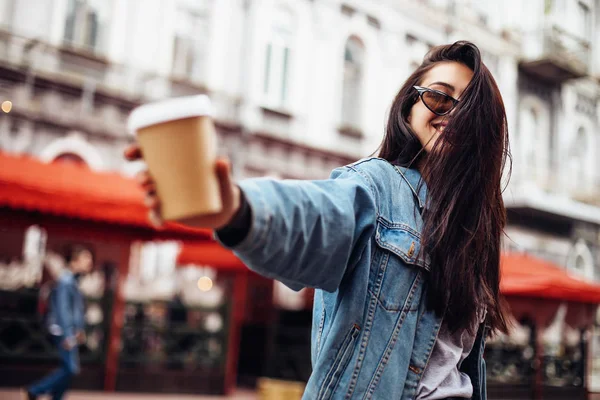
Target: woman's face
[{"x": 449, "y": 77}]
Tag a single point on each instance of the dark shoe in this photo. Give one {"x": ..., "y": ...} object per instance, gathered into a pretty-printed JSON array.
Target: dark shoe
[{"x": 26, "y": 395}]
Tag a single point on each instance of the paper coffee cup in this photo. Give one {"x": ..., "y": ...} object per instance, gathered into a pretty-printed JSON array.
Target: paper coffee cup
[{"x": 179, "y": 144}]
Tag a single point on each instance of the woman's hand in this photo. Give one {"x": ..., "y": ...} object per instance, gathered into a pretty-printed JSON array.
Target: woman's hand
[{"x": 230, "y": 195}]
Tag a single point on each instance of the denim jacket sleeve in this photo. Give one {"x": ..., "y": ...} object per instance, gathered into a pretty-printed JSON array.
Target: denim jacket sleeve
[
  {"x": 308, "y": 233},
  {"x": 78, "y": 310},
  {"x": 64, "y": 307}
]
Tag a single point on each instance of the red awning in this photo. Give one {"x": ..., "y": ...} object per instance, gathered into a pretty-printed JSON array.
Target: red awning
[
  {"x": 524, "y": 275},
  {"x": 75, "y": 191},
  {"x": 210, "y": 254}
]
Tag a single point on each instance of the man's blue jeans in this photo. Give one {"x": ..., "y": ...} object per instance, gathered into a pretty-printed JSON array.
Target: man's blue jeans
[{"x": 58, "y": 382}]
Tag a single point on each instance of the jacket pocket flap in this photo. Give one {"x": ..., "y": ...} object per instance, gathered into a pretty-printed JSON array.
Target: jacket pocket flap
[{"x": 402, "y": 241}]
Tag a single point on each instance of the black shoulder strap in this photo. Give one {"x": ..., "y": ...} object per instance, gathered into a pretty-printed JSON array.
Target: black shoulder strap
[{"x": 471, "y": 365}]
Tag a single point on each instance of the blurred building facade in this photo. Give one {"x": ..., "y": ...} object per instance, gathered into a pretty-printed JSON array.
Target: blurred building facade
[{"x": 303, "y": 86}]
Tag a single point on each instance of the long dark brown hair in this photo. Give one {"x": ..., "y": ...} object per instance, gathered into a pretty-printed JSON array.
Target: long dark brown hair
[{"x": 465, "y": 215}]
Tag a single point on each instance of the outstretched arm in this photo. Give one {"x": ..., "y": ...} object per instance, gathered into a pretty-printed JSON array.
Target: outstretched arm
[{"x": 303, "y": 233}]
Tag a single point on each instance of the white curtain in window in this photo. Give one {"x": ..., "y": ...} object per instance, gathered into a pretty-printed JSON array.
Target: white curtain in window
[
  {"x": 190, "y": 43},
  {"x": 278, "y": 55},
  {"x": 578, "y": 160},
  {"x": 86, "y": 22},
  {"x": 583, "y": 20},
  {"x": 352, "y": 93},
  {"x": 529, "y": 141}
]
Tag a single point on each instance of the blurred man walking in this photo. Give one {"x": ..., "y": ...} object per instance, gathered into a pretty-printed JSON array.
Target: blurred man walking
[{"x": 65, "y": 322}]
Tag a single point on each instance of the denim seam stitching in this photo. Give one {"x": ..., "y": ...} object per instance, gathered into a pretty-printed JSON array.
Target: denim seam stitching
[
  {"x": 379, "y": 281},
  {"x": 368, "y": 323},
  {"x": 408, "y": 228},
  {"x": 368, "y": 181},
  {"x": 336, "y": 364},
  {"x": 261, "y": 223},
  {"x": 387, "y": 224},
  {"x": 399, "y": 252},
  {"x": 320, "y": 332},
  {"x": 429, "y": 351},
  {"x": 363, "y": 345},
  {"x": 325, "y": 384},
  {"x": 392, "y": 341},
  {"x": 411, "y": 186}
]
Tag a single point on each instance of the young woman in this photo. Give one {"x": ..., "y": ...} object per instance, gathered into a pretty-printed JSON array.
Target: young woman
[{"x": 404, "y": 249}]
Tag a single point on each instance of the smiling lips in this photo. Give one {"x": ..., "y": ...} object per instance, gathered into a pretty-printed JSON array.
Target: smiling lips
[{"x": 439, "y": 126}]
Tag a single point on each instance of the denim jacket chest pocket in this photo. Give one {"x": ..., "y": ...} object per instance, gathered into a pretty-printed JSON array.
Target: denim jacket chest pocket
[{"x": 397, "y": 265}]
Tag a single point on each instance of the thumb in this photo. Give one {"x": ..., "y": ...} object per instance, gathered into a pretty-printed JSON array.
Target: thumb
[{"x": 223, "y": 167}]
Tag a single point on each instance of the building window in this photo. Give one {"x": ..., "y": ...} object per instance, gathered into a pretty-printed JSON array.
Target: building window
[
  {"x": 191, "y": 42},
  {"x": 278, "y": 56},
  {"x": 581, "y": 260},
  {"x": 6, "y": 12},
  {"x": 583, "y": 20},
  {"x": 86, "y": 23},
  {"x": 578, "y": 159},
  {"x": 530, "y": 137},
  {"x": 352, "y": 90},
  {"x": 34, "y": 247}
]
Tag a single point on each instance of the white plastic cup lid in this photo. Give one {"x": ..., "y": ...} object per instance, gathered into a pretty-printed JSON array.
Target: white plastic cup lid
[{"x": 169, "y": 110}]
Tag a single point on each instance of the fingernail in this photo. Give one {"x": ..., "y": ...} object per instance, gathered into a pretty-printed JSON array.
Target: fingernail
[
  {"x": 154, "y": 219},
  {"x": 148, "y": 201}
]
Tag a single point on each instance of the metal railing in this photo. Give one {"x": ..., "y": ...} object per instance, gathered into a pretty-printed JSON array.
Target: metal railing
[
  {"x": 568, "y": 48},
  {"x": 558, "y": 177},
  {"x": 172, "y": 340},
  {"x": 23, "y": 336},
  {"x": 569, "y": 51}
]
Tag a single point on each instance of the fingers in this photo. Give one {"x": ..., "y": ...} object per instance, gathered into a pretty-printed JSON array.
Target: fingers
[
  {"x": 145, "y": 180},
  {"x": 155, "y": 218},
  {"x": 133, "y": 152},
  {"x": 230, "y": 192},
  {"x": 151, "y": 200},
  {"x": 223, "y": 167}
]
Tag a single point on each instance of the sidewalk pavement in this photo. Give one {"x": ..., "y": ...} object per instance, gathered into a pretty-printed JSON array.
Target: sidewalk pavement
[{"x": 14, "y": 394}]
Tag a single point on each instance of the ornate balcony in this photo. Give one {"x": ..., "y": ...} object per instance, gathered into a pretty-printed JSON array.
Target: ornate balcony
[{"x": 555, "y": 55}]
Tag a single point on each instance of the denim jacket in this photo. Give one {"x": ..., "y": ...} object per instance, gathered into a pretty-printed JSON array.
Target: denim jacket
[
  {"x": 355, "y": 238},
  {"x": 66, "y": 307}
]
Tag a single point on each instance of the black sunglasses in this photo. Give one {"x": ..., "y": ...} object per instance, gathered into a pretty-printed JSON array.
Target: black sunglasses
[{"x": 437, "y": 102}]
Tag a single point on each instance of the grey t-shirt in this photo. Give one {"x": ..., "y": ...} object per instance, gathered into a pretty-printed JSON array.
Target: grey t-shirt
[{"x": 442, "y": 378}]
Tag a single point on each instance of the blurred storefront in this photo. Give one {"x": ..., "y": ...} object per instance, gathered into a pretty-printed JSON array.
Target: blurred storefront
[
  {"x": 547, "y": 354},
  {"x": 136, "y": 329},
  {"x": 182, "y": 323}
]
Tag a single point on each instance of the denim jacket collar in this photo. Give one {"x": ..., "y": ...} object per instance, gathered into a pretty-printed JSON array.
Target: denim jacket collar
[{"x": 416, "y": 183}]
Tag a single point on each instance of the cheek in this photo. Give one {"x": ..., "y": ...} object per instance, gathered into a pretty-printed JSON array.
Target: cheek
[{"x": 418, "y": 119}]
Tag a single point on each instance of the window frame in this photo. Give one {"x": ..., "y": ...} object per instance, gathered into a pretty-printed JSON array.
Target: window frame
[
  {"x": 279, "y": 58},
  {"x": 351, "y": 115},
  {"x": 190, "y": 47},
  {"x": 79, "y": 35}
]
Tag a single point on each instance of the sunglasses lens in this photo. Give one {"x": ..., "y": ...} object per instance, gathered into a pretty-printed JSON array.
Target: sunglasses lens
[{"x": 437, "y": 102}]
